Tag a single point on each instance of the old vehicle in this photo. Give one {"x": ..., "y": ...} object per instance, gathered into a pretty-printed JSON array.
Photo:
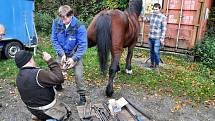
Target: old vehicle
[{"x": 17, "y": 18}]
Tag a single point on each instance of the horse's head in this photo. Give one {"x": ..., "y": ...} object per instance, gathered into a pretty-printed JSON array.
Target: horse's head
[{"x": 135, "y": 6}]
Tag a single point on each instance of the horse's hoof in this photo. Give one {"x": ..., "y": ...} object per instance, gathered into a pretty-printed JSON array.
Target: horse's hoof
[
  {"x": 109, "y": 93},
  {"x": 128, "y": 71}
]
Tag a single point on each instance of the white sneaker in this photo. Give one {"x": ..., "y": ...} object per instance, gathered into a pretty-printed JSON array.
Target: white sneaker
[{"x": 128, "y": 71}]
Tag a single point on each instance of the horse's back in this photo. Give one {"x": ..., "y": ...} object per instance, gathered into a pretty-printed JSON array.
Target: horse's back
[
  {"x": 119, "y": 28},
  {"x": 119, "y": 24},
  {"x": 124, "y": 26},
  {"x": 132, "y": 31}
]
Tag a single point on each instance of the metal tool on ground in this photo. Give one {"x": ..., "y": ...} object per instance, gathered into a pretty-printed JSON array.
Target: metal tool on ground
[
  {"x": 115, "y": 117},
  {"x": 150, "y": 58},
  {"x": 136, "y": 108},
  {"x": 115, "y": 106},
  {"x": 87, "y": 111},
  {"x": 132, "y": 112},
  {"x": 105, "y": 105},
  {"x": 101, "y": 113}
]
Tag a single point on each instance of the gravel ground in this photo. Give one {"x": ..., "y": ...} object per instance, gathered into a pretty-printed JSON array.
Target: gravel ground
[{"x": 158, "y": 108}]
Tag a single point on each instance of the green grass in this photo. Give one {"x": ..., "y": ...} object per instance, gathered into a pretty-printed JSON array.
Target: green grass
[{"x": 182, "y": 78}]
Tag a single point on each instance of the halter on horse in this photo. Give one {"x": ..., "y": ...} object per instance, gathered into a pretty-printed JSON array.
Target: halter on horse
[{"x": 111, "y": 31}]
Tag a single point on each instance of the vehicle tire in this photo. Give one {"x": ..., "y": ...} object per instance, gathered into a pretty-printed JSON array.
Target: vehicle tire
[{"x": 10, "y": 49}]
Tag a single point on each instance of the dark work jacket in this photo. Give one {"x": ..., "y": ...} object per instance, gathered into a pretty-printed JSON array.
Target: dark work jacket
[
  {"x": 32, "y": 93},
  {"x": 36, "y": 85}
]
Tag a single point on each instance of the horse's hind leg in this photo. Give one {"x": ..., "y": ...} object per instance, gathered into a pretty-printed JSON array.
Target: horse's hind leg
[
  {"x": 112, "y": 72},
  {"x": 128, "y": 69},
  {"x": 118, "y": 67}
]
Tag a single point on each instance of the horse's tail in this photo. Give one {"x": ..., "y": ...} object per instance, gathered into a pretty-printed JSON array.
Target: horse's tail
[{"x": 103, "y": 39}]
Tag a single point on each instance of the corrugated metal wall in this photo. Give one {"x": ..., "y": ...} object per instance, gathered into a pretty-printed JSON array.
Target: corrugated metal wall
[{"x": 186, "y": 22}]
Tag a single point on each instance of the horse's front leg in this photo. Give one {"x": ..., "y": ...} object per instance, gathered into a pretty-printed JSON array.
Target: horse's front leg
[
  {"x": 112, "y": 72},
  {"x": 128, "y": 69}
]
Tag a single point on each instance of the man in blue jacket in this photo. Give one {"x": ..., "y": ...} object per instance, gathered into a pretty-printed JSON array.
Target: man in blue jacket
[{"x": 69, "y": 38}]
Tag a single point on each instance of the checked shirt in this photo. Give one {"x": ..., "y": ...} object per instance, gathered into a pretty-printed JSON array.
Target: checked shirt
[{"x": 157, "y": 25}]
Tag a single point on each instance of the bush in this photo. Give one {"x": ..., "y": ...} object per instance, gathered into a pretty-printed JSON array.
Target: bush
[
  {"x": 85, "y": 11},
  {"x": 43, "y": 22},
  {"x": 206, "y": 51},
  {"x": 116, "y": 4},
  {"x": 211, "y": 22}
]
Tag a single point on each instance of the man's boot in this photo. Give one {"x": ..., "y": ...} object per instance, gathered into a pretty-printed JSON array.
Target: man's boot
[
  {"x": 82, "y": 99},
  {"x": 152, "y": 66}
]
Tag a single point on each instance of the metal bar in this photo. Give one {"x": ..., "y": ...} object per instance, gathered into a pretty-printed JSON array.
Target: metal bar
[
  {"x": 136, "y": 108},
  {"x": 167, "y": 8},
  {"x": 199, "y": 18},
  {"x": 99, "y": 114},
  {"x": 85, "y": 106},
  {"x": 107, "y": 109},
  {"x": 102, "y": 112},
  {"x": 132, "y": 112},
  {"x": 182, "y": 54},
  {"x": 35, "y": 32},
  {"x": 27, "y": 30},
  {"x": 179, "y": 24}
]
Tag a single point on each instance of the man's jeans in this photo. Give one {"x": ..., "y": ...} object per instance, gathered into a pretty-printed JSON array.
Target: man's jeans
[
  {"x": 154, "y": 45},
  {"x": 79, "y": 80}
]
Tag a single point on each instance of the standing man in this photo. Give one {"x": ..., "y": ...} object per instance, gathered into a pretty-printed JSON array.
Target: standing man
[
  {"x": 2, "y": 31},
  {"x": 69, "y": 38},
  {"x": 35, "y": 86},
  {"x": 156, "y": 34}
]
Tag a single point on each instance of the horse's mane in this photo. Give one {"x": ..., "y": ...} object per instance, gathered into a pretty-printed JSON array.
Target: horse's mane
[{"x": 135, "y": 6}]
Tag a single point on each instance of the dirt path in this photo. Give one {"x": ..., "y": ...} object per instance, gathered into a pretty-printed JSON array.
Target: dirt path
[{"x": 159, "y": 108}]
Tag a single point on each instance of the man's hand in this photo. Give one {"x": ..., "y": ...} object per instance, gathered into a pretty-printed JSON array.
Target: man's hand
[
  {"x": 70, "y": 62},
  {"x": 63, "y": 59},
  {"x": 46, "y": 56},
  {"x": 162, "y": 42}
]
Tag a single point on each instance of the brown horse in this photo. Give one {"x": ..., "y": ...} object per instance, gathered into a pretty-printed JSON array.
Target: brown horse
[{"x": 111, "y": 31}]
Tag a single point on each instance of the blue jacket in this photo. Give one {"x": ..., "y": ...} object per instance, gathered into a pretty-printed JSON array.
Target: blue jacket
[{"x": 71, "y": 41}]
